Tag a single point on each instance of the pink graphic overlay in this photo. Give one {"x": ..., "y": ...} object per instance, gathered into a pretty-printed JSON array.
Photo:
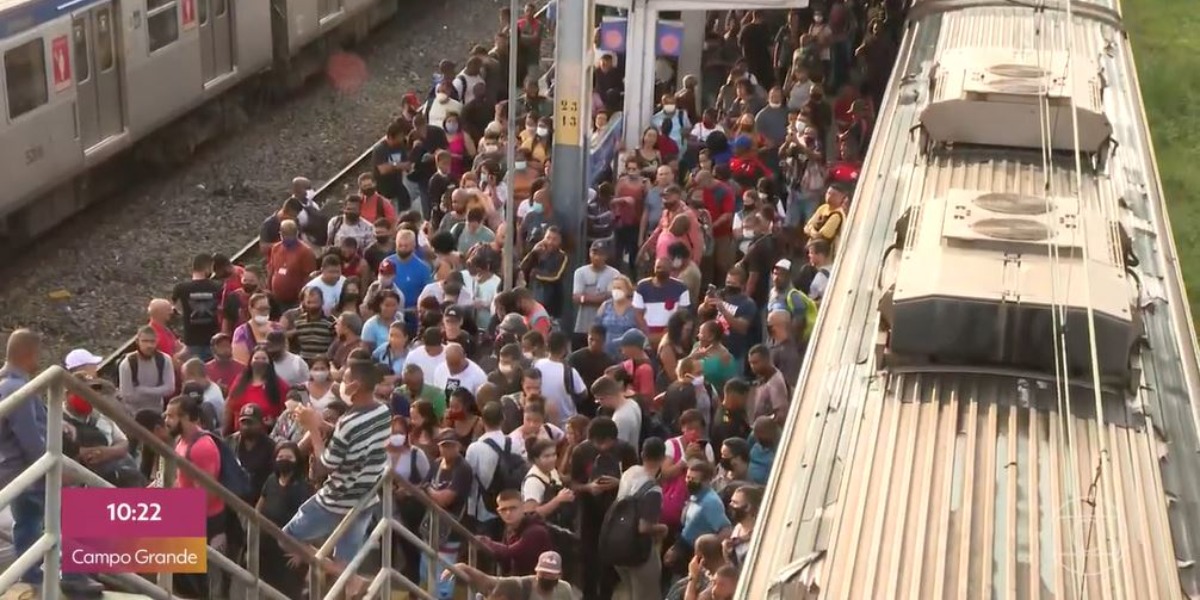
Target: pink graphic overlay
[
  {"x": 135, "y": 555},
  {"x": 110, "y": 513}
]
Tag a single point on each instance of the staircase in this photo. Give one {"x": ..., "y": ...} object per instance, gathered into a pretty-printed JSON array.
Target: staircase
[{"x": 327, "y": 580}]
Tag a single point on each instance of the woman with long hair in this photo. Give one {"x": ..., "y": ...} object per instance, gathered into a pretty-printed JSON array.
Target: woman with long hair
[
  {"x": 617, "y": 315},
  {"x": 423, "y": 427},
  {"x": 462, "y": 415},
  {"x": 677, "y": 344},
  {"x": 460, "y": 145},
  {"x": 647, "y": 151},
  {"x": 254, "y": 332},
  {"x": 258, "y": 384}
]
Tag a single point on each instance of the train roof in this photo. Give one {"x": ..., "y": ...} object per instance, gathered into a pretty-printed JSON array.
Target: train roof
[
  {"x": 984, "y": 482},
  {"x": 17, "y": 16}
]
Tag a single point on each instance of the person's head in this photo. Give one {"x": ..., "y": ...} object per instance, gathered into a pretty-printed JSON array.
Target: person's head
[
  {"x": 576, "y": 429},
  {"x": 460, "y": 405},
  {"x": 836, "y": 196},
  {"x": 406, "y": 244},
  {"x": 818, "y": 253},
  {"x": 543, "y": 453},
  {"x": 608, "y": 393},
  {"x": 622, "y": 289},
  {"x": 699, "y": 474},
  {"x": 182, "y": 416},
  {"x": 779, "y": 325},
  {"x": 331, "y": 268},
  {"x": 595, "y": 338},
  {"x": 531, "y": 382},
  {"x": 24, "y": 347},
  {"x": 533, "y": 344},
  {"x": 432, "y": 339},
  {"x": 708, "y": 551},
  {"x": 159, "y": 310},
  {"x": 548, "y": 571},
  {"x": 760, "y": 361},
  {"x": 250, "y": 421},
  {"x": 781, "y": 275},
  {"x": 349, "y": 326},
  {"x": 737, "y": 391},
  {"x": 491, "y": 414},
  {"x": 653, "y": 454},
  {"x": 650, "y": 137},
  {"x": 691, "y": 424},
  {"x": 735, "y": 457},
  {"x": 222, "y": 346},
  {"x": 633, "y": 344},
  {"x": 598, "y": 255},
  {"x": 287, "y": 456},
  {"x": 154, "y": 422},
  {"x": 672, "y": 197},
  {"x": 456, "y": 357},
  {"x": 765, "y": 431},
  {"x": 449, "y": 448},
  {"x": 147, "y": 342},
  {"x": 710, "y": 334},
  {"x": 358, "y": 380},
  {"x": 775, "y": 97},
  {"x": 725, "y": 584},
  {"x": 662, "y": 269},
  {"x": 602, "y": 433},
  {"x": 509, "y": 507},
  {"x": 745, "y": 502}
]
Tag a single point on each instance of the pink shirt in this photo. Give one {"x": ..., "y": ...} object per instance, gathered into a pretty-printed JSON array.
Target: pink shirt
[
  {"x": 167, "y": 341},
  {"x": 663, "y": 245},
  {"x": 207, "y": 457}
]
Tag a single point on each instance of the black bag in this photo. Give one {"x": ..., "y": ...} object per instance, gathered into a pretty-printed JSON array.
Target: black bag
[
  {"x": 564, "y": 517},
  {"x": 580, "y": 399},
  {"x": 621, "y": 544},
  {"x": 510, "y": 472}
]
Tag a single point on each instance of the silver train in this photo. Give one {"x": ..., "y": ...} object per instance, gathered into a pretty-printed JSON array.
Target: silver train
[{"x": 86, "y": 85}]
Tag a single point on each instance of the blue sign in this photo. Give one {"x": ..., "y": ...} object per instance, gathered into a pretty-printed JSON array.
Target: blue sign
[
  {"x": 612, "y": 35},
  {"x": 669, "y": 36}
]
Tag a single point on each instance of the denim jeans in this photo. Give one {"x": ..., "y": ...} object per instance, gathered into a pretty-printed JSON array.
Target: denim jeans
[
  {"x": 313, "y": 522},
  {"x": 447, "y": 556},
  {"x": 29, "y": 513}
]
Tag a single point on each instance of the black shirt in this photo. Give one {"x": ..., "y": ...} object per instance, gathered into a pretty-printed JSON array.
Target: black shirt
[
  {"x": 269, "y": 232},
  {"x": 423, "y": 151},
  {"x": 588, "y": 463},
  {"x": 258, "y": 460},
  {"x": 391, "y": 185},
  {"x": 456, "y": 479},
  {"x": 760, "y": 258},
  {"x": 198, "y": 300},
  {"x": 280, "y": 502},
  {"x": 728, "y": 425}
]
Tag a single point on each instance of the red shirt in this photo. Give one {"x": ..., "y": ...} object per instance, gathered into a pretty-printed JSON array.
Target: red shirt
[
  {"x": 205, "y": 455},
  {"x": 224, "y": 372},
  {"x": 167, "y": 340},
  {"x": 256, "y": 394},
  {"x": 371, "y": 206},
  {"x": 719, "y": 201}
]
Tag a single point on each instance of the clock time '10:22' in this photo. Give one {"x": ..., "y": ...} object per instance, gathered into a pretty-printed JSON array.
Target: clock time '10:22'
[{"x": 141, "y": 511}]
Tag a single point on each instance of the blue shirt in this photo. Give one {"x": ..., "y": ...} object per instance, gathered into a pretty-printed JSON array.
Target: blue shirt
[
  {"x": 742, "y": 307},
  {"x": 760, "y": 462},
  {"x": 704, "y": 513},
  {"x": 375, "y": 332},
  {"x": 23, "y": 431},
  {"x": 383, "y": 355},
  {"x": 412, "y": 275}
]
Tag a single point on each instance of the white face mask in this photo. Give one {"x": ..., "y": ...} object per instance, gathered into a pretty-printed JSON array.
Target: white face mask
[
  {"x": 519, "y": 165},
  {"x": 345, "y": 392},
  {"x": 775, "y": 104},
  {"x": 669, "y": 108},
  {"x": 543, "y": 132},
  {"x": 261, "y": 319},
  {"x": 319, "y": 376},
  {"x": 618, "y": 295},
  {"x": 451, "y": 127},
  {"x": 397, "y": 440},
  {"x": 443, "y": 97}
]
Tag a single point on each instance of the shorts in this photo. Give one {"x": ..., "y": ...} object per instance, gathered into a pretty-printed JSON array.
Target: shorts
[{"x": 313, "y": 523}]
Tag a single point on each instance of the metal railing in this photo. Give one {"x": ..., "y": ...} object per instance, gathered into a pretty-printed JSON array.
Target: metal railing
[{"x": 52, "y": 387}]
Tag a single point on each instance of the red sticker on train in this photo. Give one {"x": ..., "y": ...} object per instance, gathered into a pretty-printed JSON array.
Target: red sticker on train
[
  {"x": 60, "y": 55},
  {"x": 189, "y": 13}
]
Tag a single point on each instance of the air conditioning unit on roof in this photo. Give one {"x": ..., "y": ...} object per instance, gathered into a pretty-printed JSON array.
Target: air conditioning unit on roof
[{"x": 992, "y": 98}]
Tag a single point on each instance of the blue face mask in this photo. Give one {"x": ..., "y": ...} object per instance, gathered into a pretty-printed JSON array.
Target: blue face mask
[
  {"x": 290, "y": 244},
  {"x": 536, "y": 208}
]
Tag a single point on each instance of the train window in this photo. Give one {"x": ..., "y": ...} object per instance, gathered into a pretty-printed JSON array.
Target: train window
[
  {"x": 162, "y": 19},
  {"x": 219, "y": 7},
  {"x": 83, "y": 67},
  {"x": 202, "y": 8},
  {"x": 25, "y": 77},
  {"x": 106, "y": 51},
  {"x": 326, "y": 8}
]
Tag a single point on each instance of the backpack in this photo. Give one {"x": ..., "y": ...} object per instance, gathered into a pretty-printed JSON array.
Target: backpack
[
  {"x": 564, "y": 517},
  {"x": 621, "y": 543},
  {"x": 231, "y": 475},
  {"x": 674, "y": 492},
  {"x": 160, "y": 363},
  {"x": 510, "y": 472},
  {"x": 317, "y": 225},
  {"x": 579, "y": 398}
]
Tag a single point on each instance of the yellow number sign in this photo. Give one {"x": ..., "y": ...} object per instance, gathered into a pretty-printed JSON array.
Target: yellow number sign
[{"x": 566, "y": 125}]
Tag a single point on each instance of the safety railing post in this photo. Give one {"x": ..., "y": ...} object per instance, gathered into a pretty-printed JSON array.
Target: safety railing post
[
  {"x": 166, "y": 581},
  {"x": 473, "y": 560},
  {"x": 253, "y": 539},
  {"x": 432, "y": 572},
  {"x": 387, "y": 508},
  {"x": 54, "y": 484},
  {"x": 316, "y": 581}
]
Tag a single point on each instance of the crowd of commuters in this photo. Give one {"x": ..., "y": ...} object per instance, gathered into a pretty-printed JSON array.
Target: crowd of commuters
[{"x": 605, "y": 431}]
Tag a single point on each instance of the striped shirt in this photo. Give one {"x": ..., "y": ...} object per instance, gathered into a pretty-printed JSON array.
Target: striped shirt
[
  {"x": 659, "y": 302},
  {"x": 356, "y": 455},
  {"x": 312, "y": 337}
]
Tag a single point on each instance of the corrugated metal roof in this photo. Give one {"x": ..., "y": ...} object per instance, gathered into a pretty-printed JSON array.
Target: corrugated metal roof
[{"x": 927, "y": 485}]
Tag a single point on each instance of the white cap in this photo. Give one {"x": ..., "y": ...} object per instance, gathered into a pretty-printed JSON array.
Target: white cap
[
  {"x": 784, "y": 264},
  {"x": 80, "y": 358}
]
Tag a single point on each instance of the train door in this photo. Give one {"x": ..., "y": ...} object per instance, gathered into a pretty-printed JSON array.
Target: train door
[
  {"x": 216, "y": 38},
  {"x": 98, "y": 106}
]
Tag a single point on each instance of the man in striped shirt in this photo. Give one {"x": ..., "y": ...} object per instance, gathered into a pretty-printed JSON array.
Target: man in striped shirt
[
  {"x": 309, "y": 330},
  {"x": 353, "y": 460}
]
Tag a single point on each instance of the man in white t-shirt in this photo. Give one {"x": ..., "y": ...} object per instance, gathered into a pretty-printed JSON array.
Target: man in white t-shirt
[
  {"x": 430, "y": 355},
  {"x": 329, "y": 282},
  {"x": 483, "y": 459},
  {"x": 534, "y": 425},
  {"x": 626, "y": 412},
  {"x": 458, "y": 371},
  {"x": 560, "y": 406}
]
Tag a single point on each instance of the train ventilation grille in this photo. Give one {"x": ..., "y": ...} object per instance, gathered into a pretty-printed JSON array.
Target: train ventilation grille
[
  {"x": 1017, "y": 71},
  {"x": 1012, "y": 230},
  {"x": 1015, "y": 204}
]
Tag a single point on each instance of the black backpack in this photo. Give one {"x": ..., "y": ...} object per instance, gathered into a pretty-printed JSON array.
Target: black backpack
[
  {"x": 579, "y": 399},
  {"x": 160, "y": 362},
  {"x": 232, "y": 475},
  {"x": 564, "y": 517},
  {"x": 510, "y": 472},
  {"x": 652, "y": 426},
  {"x": 621, "y": 544}
]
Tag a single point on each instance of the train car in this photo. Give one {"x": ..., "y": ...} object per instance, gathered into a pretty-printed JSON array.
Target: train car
[
  {"x": 87, "y": 81},
  {"x": 999, "y": 398}
]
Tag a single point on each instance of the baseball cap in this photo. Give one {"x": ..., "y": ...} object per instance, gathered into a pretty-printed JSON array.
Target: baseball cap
[
  {"x": 276, "y": 339},
  {"x": 784, "y": 264},
  {"x": 600, "y": 246},
  {"x": 251, "y": 412},
  {"x": 514, "y": 324},
  {"x": 387, "y": 268},
  {"x": 79, "y": 358},
  {"x": 633, "y": 337},
  {"x": 446, "y": 436},
  {"x": 550, "y": 563},
  {"x": 453, "y": 312}
]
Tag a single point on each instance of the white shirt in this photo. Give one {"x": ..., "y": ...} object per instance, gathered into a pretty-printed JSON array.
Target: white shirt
[
  {"x": 402, "y": 464},
  {"x": 816, "y": 290},
  {"x": 555, "y": 390},
  {"x": 292, "y": 369},
  {"x": 434, "y": 290},
  {"x": 420, "y": 356},
  {"x": 330, "y": 294},
  {"x": 483, "y": 460},
  {"x": 548, "y": 431},
  {"x": 484, "y": 292},
  {"x": 439, "y": 110},
  {"x": 214, "y": 397},
  {"x": 628, "y": 418},
  {"x": 534, "y": 487},
  {"x": 468, "y": 83},
  {"x": 700, "y": 132},
  {"x": 470, "y": 378}
]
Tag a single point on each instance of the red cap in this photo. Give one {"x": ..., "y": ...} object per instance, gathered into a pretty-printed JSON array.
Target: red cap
[
  {"x": 411, "y": 99},
  {"x": 387, "y": 268}
]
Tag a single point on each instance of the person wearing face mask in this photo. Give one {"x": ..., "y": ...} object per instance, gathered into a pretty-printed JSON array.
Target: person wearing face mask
[
  {"x": 707, "y": 125},
  {"x": 96, "y": 442},
  {"x": 461, "y": 147},
  {"x": 732, "y": 467},
  {"x": 743, "y": 512},
  {"x": 374, "y": 205},
  {"x": 351, "y": 224},
  {"x": 703, "y": 514},
  {"x": 771, "y": 121},
  {"x": 289, "y": 366},
  {"x": 285, "y": 490},
  {"x": 195, "y": 380},
  {"x": 255, "y": 330},
  {"x": 731, "y": 420},
  {"x": 258, "y": 385},
  {"x": 657, "y": 298},
  {"x": 618, "y": 315},
  {"x": 254, "y": 448},
  {"x": 545, "y": 584},
  {"x": 289, "y": 263},
  {"x": 736, "y": 312},
  {"x": 443, "y": 105},
  {"x": 680, "y": 123}
]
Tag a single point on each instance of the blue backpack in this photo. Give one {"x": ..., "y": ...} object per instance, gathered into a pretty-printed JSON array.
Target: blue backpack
[{"x": 231, "y": 475}]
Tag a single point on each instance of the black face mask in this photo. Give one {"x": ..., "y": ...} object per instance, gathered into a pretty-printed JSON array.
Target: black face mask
[
  {"x": 259, "y": 370},
  {"x": 383, "y": 239},
  {"x": 732, "y": 290},
  {"x": 727, "y": 464},
  {"x": 693, "y": 487},
  {"x": 275, "y": 355},
  {"x": 736, "y": 514},
  {"x": 404, "y": 255},
  {"x": 662, "y": 275},
  {"x": 249, "y": 288},
  {"x": 285, "y": 467},
  {"x": 546, "y": 585},
  {"x": 351, "y": 218}
]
